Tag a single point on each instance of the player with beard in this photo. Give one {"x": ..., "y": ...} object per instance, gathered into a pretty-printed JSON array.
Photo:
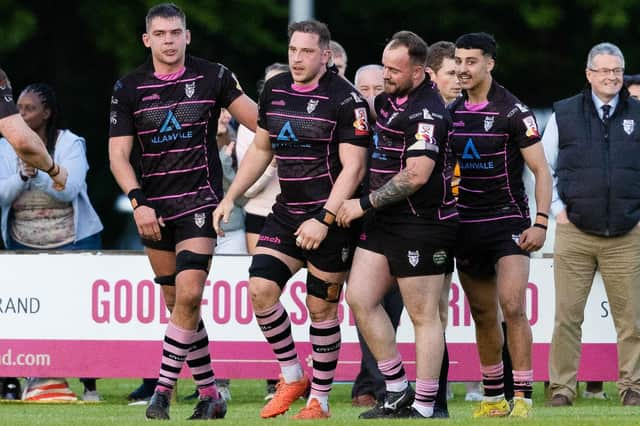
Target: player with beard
[{"x": 410, "y": 230}]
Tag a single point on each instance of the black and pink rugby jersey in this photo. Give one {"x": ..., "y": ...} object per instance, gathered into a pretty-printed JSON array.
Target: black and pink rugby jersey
[
  {"x": 175, "y": 123},
  {"x": 415, "y": 125},
  {"x": 306, "y": 127},
  {"x": 7, "y": 105},
  {"x": 486, "y": 140}
]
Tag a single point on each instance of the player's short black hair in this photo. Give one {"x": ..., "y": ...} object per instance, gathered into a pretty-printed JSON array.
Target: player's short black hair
[
  {"x": 165, "y": 10},
  {"x": 482, "y": 41},
  {"x": 416, "y": 46},
  {"x": 313, "y": 27}
]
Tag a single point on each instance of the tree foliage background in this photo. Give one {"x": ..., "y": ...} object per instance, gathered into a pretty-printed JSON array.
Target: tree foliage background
[{"x": 82, "y": 47}]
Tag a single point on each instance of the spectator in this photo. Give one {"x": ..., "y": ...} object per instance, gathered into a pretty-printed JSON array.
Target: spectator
[
  {"x": 37, "y": 217},
  {"x": 25, "y": 141},
  {"x": 591, "y": 143},
  {"x": 632, "y": 83},
  {"x": 338, "y": 57}
]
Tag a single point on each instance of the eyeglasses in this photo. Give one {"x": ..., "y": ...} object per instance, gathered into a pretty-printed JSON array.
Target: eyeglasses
[{"x": 607, "y": 71}]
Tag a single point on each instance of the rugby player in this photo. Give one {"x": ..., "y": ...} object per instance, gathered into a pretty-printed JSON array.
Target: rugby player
[
  {"x": 317, "y": 126},
  {"x": 169, "y": 107}
]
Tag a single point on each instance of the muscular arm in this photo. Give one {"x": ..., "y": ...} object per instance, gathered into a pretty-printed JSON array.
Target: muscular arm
[
  {"x": 534, "y": 157},
  {"x": 145, "y": 217},
  {"x": 119, "y": 152},
  {"x": 254, "y": 163},
  {"x": 25, "y": 141},
  {"x": 245, "y": 110},
  {"x": 354, "y": 160},
  {"x": 405, "y": 183}
]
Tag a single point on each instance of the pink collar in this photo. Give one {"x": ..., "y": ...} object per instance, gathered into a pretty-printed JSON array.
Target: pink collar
[{"x": 172, "y": 76}]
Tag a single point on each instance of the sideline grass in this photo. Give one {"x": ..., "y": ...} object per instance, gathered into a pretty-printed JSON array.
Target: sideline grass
[{"x": 247, "y": 401}]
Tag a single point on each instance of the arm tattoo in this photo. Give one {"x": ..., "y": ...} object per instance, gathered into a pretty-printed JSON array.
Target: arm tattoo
[{"x": 396, "y": 189}]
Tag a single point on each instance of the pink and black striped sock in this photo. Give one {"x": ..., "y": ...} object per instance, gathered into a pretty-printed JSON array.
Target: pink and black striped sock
[
  {"x": 395, "y": 378},
  {"x": 523, "y": 383},
  {"x": 276, "y": 327},
  {"x": 175, "y": 347},
  {"x": 426, "y": 390},
  {"x": 493, "y": 380},
  {"x": 325, "y": 342},
  {"x": 199, "y": 362}
]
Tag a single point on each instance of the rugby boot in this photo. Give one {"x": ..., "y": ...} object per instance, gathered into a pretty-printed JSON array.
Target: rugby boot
[
  {"x": 312, "y": 411},
  {"x": 286, "y": 394},
  {"x": 492, "y": 409},
  {"x": 392, "y": 402},
  {"x": 521, "y": 408},
  {"x": 209, "y": 408},
  {"x": 158, "y": 408}
]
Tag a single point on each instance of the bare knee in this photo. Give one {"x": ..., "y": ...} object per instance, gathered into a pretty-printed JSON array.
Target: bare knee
[
  {"x": 264, "y": 294},
  {"x": 513, "y": 312}
]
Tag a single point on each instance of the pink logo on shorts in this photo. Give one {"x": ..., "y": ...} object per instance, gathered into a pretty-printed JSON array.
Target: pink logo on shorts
[{"x": 268, "y": 239}]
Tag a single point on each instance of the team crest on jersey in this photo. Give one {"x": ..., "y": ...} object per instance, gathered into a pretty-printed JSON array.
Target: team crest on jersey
[
  {"x": 190, "y": 89},
  {"x": 414, "y": 257},
  {"x": 532, "y": 128},
  {"x": 488, "y": 122},
  {"x": 439, "y": 257},
  {"x": 311, "y": 105},
  {"x": 628, "y": 126},
  {"x": 361, "y": 124},
  {"x": 199, "y": 219},
  {"x": 425, "y": 132}
]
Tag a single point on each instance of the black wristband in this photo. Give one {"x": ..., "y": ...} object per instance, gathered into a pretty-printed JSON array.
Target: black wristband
[
  {"x": 50, "y": 169},
  {"x": 539, "y": 225},
  {"x": 326, "y": 217},
  {"x": 546, "y": 216},
  {"x": 137, "y": 198},
  {"x": 365, "y": 203}
]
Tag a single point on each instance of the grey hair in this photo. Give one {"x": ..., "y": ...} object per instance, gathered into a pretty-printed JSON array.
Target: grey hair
[
  {"x": 604, "y": 49},
  {"x": 363, "y": 68},
  {"x": 337, "y": 50}
]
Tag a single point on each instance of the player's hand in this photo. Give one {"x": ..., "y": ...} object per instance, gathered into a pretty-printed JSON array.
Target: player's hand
[
  {"x": 349, "y": 211},
  {"x": 222, "y": 212},
  {"x": 27, "y": 170},
  {"x": 60, "y": 180},
  {"x": 310, "y": 234},
  {"x": 147, "y": 222},
  {"x": 562, "y": 218},
  {"x": 532, "y": 239}
]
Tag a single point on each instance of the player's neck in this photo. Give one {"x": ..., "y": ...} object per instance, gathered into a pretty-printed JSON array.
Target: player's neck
[
  {"x": 162, "y": 68},
  {"x": 479, "y": 93},
  {"x": 311, "y": 84}
]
